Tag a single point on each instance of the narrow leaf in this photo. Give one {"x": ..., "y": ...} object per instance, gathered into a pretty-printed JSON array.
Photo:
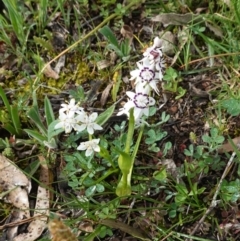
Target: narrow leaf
[
  {"x": 103, "y": 117},
  {"x": 15, "y": 119},
  {"x": 5, "y": 100},
  {"x": 48, "y": 111},
  {"x": 35, "y": 117},
  {"x": 36, "y": 135},
  {"x": 107, "y": 32}
]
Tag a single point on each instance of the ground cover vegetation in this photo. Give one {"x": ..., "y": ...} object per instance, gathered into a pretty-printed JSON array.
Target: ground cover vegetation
[{"x": 119, "y": 120}]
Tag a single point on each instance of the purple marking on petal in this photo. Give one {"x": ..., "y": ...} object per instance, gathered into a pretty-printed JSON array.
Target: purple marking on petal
[
  {"x": 135, "y": 100},
  {"x": 146, "y": 69},
  {"x": 154, "y": 53}
]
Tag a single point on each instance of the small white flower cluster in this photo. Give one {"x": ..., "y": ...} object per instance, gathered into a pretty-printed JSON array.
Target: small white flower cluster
[
  {"x": 73, "y": 117},
  {"x": 148, "y": 74}
]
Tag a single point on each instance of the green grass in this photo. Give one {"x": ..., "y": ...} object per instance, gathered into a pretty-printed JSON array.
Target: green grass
[{"x": 168, "y": 174}]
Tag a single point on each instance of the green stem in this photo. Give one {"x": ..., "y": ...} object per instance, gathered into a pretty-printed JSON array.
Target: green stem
[
  {"x": 108, "y": 173},
  {"x": 129, "y": 175},
  {"x": 126, "y": 162},
  {"x": 130, "y": 131}
]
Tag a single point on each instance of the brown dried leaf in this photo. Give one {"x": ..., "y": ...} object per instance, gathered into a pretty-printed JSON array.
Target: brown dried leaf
[
  {"x": 105, "y": 94},
  {"x": 14, "y": 181},
  {"x": 102, "y": 64},
  {"x": 176, "y": 19},
  {"x": 183, "y": 36},
  {"x": 37, "y": 226},
  {"x": 35, "y": 229},
  {"x": 198, "y": 92},
  {"x": 126, "y": 31},
  {"x": 59, "y": 231},
  {"x": 86, "y": 226},
  {"x": 125, "y": 228},
  {"x": 228, "y": 146},
  {"x": 60, "y": 64},
  {"x": 50, "y": 73},
  {"x": 215, "y": 29}
]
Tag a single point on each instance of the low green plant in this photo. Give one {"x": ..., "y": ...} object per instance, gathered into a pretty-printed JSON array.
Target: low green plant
[
  {"x": 153, "y": 135},
  {"x": 204, "y": 156},
  {"x": 45, "y": 133},
  {"x": 232, "y": 106},
  {"x": 10, "y": 116},
  {"x": 230, "y": 191},
  {"x": 122, "y": 49},
  {"x": 171, "y": 83}
]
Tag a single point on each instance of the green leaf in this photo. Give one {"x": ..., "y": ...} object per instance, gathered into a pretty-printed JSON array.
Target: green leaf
[
  {"x": 207, "y": 138},
  {"x": 116, "y": 84},
  {"x": 36, "y": 136},
  {"x": 232, "y": 106},
  {"x": 152, "y": 137},
  {"x": 160, "y": 175},
  {"x": 48, "y": 111},
  {"x": 107, "y": 32},
  {"x": 116, "y": 49},
  {"x": 53, "y": 132},
  {"x": 10, "y": 129},
  {"x": 32, "y": 167},
  {"x": 15, "y": 119},
  {"x": 44, "y": 43},
  {"x": 5, "y": 100},
  {"x": 90, "y": 191},
  {"x": 125, "y": 47},
  {"x": 16, "y": 19},
  {"x": 35, "y": 117},
  {"x": 103, "y": 117},
  {"x": 100, "y": 188}
]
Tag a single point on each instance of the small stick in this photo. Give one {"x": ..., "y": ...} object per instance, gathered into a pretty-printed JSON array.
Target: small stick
[{"x": 214, "y": 201}]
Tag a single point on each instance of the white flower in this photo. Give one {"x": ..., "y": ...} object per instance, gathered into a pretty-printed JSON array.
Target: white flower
[
  {"x": 155, "y": 56},
  {"x": 157, "y": 42},
  {"x": 70, "y": 107},
  {"x": 67, "y": 122},
  {"x": 89, "y": 146},
  {"x": 88, "y": 122},
  {"x": 146, "y": 76},
  {"x": 140, "y": 101}
]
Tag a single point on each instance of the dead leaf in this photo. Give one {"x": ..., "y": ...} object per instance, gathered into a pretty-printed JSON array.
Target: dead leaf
[
  {"x": 168, "y": 43},
  {"x": 59, "y": 231},
  {"x": 41, "y": 212},
  {"x": 15, "y": 182},
  {"x": 198, "y": 92},
  {"x": 215, "y": 29},
  {"x": 172, "y": 169},
  {"x": 105, "y": 94},
  {"x": 60, "y": 64},
  {"x": 177, "y": 19},
  {"x": 50, "y": 73},
  {"x": 102, "y": 64},
  {"x": 183, "y": 36},
  {"x": 228, "y": 146},
  {"x": 125, "y": 228},
  {"x": 127, "y": 32}
]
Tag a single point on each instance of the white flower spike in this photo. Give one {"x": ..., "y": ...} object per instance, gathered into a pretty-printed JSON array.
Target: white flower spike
[
  {"x": 146, "y": 76},
  {"x": 140, "y": 102},
  {"x": 90, "y": 147}
]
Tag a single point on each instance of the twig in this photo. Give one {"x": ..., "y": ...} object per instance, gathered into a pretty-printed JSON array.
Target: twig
[{"x": 214, "y": 201}]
